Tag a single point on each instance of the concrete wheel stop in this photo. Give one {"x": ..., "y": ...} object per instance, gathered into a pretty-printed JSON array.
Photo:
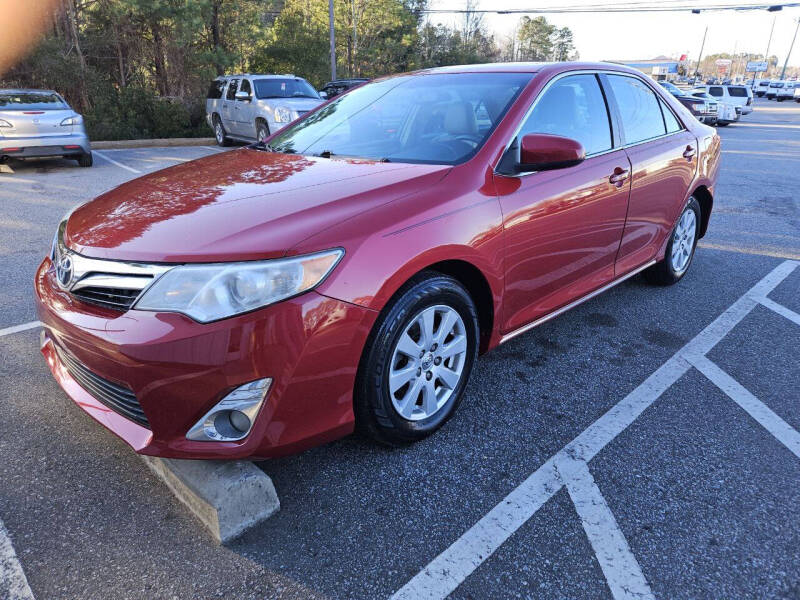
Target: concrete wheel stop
[{"x": 227, "y": 497}]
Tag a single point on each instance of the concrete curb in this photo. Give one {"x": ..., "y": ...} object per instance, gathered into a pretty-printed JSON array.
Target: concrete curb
[
  {"x": 227, "y": 497},
  {"x": 163, "y": 142}
]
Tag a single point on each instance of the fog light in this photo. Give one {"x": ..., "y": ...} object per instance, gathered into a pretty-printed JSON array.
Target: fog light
[{"x": 233, "y": 416}]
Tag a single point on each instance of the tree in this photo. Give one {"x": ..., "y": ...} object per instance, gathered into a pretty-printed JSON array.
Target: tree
[{"x": 535, "y": 39}]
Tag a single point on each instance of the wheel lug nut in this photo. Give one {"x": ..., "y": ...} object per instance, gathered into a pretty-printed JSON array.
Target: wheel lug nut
[
  {"x": 428, "y": 375},
  {"x": 437, "y": 361}
]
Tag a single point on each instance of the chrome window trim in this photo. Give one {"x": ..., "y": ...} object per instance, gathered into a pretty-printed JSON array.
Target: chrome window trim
[{"x": 588, "y": 156}]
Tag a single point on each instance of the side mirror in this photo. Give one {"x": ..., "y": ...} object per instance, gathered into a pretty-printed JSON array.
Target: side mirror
[
  {"x": 323, "y": 95},
  {"x": 544, "y": 152},
  {"x": 242, "y": 96}
]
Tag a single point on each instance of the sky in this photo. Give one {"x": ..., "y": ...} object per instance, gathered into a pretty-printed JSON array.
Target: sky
[{"x": 626, "y": 36}]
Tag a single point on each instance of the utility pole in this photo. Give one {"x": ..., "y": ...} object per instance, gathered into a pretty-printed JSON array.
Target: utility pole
[
  {"x": 333, "y": 41},
  {"x": 769, "y": 42},
  {"x": 700, "y": 57},
  {"x": 790, "y": 49}
]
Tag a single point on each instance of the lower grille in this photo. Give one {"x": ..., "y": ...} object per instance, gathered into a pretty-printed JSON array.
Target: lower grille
[
  {"x": 113, "y": 298},
  {"x": 118, "y": 398}
]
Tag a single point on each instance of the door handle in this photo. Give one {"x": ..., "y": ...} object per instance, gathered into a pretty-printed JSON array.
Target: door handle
[
  {"x": 689, "y": 153},
  {"x": 619, "y": 176}
]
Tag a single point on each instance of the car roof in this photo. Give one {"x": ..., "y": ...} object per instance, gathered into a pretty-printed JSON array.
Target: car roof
[
  {"x": 26, "y": 91},
  {"x": 260, "y": 75},
  {"x": 535, "y": 67}
]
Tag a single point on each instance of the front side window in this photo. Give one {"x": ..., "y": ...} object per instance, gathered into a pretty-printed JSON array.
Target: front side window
[
  {"x": 573, "y": 107},
  {"x": 284, "y": 88},
  {"x": 440, "y": 118},
  {"x": 31, "y": 100},
  {"x": 231, "y": 95},
  {"x": 638, "y": 107},
  {"x": 245, "y": 87}
]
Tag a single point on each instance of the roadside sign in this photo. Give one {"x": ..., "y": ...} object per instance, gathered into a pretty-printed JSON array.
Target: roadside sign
[{"x": 756, "y": 66}]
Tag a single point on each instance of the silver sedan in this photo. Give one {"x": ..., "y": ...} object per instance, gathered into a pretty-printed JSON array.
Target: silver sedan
[{"x": 36, "y": 123}]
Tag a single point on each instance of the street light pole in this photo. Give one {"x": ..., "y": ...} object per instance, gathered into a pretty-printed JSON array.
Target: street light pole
[
  {"x": 790, "y": 49},
  {"x": 333, "y": 41},
  {"x": 700, "y": 57}
]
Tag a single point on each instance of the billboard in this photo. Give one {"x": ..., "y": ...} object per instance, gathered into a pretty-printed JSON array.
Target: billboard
[{"x": 756, "y": 66}]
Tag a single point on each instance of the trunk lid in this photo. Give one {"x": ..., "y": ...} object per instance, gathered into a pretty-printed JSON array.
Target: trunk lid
[{"x": 35, "y": 122}]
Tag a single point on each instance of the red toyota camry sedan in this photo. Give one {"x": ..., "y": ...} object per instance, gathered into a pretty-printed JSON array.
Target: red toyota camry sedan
[{"x": 349, "y": 271}]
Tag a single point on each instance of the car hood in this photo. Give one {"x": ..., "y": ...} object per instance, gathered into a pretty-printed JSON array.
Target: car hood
[
  {"x": 300, "y": 104},
  {"x": 240, "y": 205}
]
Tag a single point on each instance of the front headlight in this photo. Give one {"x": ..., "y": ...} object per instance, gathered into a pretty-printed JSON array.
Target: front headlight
[
  {"x": 211, "y": 292},
  {"x": 283, "y": 115},
  {"x": 75, "y": 120}
]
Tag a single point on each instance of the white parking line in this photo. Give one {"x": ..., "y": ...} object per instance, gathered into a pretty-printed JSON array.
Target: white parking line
[
  {"x": 18, "y": 328},
  {"x": 113, "y": 162},
  {"x": 13, "y": 583},
  {"x": 780, "y": 309},
  {"x": 450, "y": 568},
  {"x": 622, "y": 571},
  {"x": 779, "y": 428}
]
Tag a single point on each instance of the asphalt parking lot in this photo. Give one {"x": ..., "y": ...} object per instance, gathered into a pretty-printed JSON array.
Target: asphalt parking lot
[{"x": 643, "y": 445}]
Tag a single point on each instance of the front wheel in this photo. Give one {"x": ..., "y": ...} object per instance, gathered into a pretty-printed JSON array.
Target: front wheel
[
  {"x": 417, "y": 361},
  {"x": 262, "y": 132},
  {"x": 680, "y": 248}
]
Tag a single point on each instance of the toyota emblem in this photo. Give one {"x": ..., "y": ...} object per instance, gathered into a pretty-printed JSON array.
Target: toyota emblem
[{"x": 64, "y": 271}]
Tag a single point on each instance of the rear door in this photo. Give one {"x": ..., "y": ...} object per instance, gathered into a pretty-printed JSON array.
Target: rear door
[
  {"x": 663, "y": 156},
  {"x": 229, "y": 107},
  {"x": 563, "y": 227}
]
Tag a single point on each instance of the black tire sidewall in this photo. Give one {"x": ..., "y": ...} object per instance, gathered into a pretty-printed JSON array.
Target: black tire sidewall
[{"x": 375, "y": 410}]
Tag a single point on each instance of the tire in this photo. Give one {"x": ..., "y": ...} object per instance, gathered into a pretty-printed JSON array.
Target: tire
[
  {"x": 723, "y": 123},
  {"x": 262, "y": 131},
  {"x": 85, "y": 160},
  {"x": 427, "y": 298},
  {"x": 671, "y": 269},
  {"x": 219, "y": 132}
]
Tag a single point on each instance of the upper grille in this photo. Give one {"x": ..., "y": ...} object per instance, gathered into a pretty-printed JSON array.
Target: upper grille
[
  {"x": 107, "y": 297},
  {"x": 118, "y": 398}
]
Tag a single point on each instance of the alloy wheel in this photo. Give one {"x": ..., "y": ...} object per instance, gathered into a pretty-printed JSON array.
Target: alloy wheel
[
  {"x": 683, "y": 241},
  {"x": 427, "y": 362}
]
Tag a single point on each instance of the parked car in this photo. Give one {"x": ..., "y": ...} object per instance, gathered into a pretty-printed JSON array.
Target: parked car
[
  {"x": 725, "y": 113},
  {"x": 787, "y": 91},
  {"x": 249, "y": 107},
  {"x": 761, "y": 87},
  {"x": 797, "y": 93},
  {"x": 740, "y": 96},
  {"x": 261, "y": 301},
  {"x": 774, "y": 86},
  {"x": 334, "y": 88},
  {"x": 704, "y": 111},
  {"x": 37, "y": 123}
]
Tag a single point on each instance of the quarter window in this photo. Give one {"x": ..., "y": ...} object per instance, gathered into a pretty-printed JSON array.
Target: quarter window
[
  {"x": 669, "y": 119},
  {"x": 573, "y": 107},
  {"x": 638, "y": 107}
]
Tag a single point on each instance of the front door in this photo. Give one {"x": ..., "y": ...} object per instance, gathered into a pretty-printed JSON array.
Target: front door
[
  {"x": 244, "y": 109},
  {"x": 563, "y": 227},
  {"x": 229, "y": 107}
]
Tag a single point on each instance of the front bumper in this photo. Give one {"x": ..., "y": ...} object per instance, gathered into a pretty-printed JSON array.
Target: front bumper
[
  {"x": 32, "y": 147},
  {"x": 179, "y": 369}
]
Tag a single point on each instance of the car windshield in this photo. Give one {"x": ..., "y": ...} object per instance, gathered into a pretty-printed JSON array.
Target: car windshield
[
  {"x": 440, "y": 118},
  {"x": 31, "y": 101},
  {"x": 284, "y": 88}
]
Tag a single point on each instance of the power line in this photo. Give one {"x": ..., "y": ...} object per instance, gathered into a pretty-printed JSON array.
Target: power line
[{"x": 615, "y": 8}]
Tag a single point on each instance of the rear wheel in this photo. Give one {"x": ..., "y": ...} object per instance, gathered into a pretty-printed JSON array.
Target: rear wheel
[
  {"x": 680, "y": 248},
  {"x": 219, "y": 132},
  {"x": 85, "y": 160},
  {"x": 417, "y": 361}
]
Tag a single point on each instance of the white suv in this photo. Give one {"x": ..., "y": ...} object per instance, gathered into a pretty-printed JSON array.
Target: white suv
[
  {"x": 251, "y": 107},
  {"x": 740, "y": 96}
]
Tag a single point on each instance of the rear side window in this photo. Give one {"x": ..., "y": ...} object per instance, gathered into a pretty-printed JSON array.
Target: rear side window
[
  {"x": 573, "y": 107},
  {"x": 737, "y": 92},
  {"x": 670, "y": 120},
  {"x": 716, "y": 91},
  {"x": 231, "y": 95},
  {"x": 638, "y": 107},
  {"x": 215, "y": 89}
]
